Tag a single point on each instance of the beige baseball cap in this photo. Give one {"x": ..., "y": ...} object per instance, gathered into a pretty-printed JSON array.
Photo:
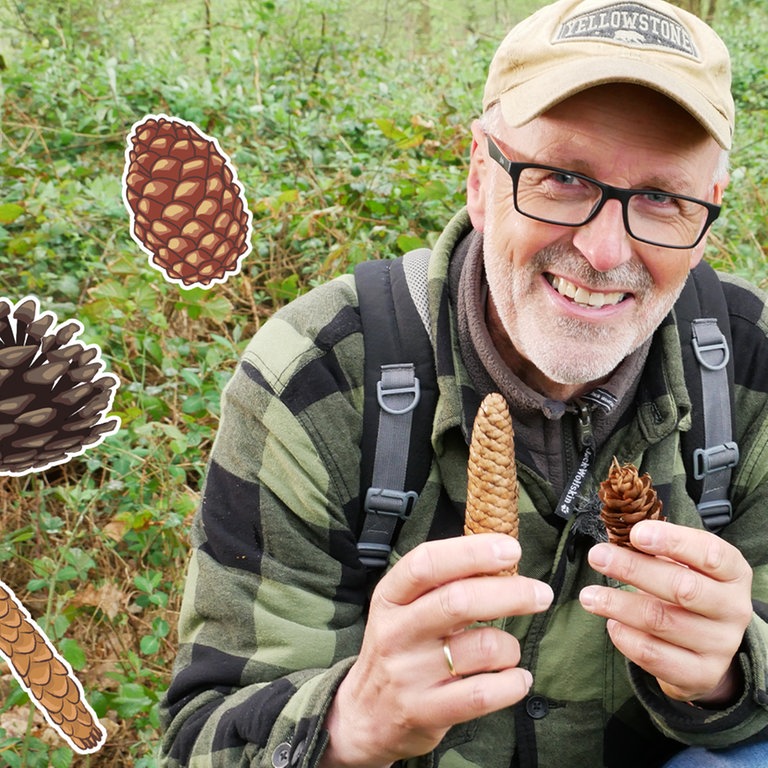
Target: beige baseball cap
[{"x": 572, "y": 45}]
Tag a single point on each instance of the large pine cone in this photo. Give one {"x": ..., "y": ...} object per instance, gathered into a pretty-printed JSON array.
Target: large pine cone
[
  {"x": 188, "y": 211},
  {"x": 627, "y": 499},
  {"x": 46, "y": 677},
  {"x": 492, "y": 489},
  {"x": 52, "y": 400}
]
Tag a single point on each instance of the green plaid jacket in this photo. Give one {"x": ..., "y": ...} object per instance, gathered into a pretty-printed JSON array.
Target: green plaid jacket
[{"x": 275, "y": 602}]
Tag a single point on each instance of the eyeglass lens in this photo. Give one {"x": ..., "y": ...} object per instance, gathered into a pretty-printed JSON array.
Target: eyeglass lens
[{"x": 560, "y": 197}]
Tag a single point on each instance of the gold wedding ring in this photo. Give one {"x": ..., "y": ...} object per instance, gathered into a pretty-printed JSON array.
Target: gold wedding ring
[{"x": 449, "y": 658}]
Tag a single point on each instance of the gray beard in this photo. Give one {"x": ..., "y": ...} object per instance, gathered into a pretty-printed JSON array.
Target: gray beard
[{"x": 583, "y": 367}]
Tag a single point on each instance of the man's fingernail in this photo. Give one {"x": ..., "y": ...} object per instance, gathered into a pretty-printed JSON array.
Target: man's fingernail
[
  {"x": 507, "y": 549},
  {"x": 528, "y": 678},
  {"x": 587, "y": 596},
  {"x": 644, "y": 535},
  {"x": 544, "y": 594},
  {"x": 599, "y": 556}
]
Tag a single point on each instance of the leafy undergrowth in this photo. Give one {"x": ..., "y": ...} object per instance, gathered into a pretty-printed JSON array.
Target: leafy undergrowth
[{"x": 350, "y": 136}]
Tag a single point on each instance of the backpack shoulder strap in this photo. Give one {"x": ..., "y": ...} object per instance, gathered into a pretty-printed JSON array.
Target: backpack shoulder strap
[
  {"x": 400, "y": 391},
  {"x": 709, "y": 452}
]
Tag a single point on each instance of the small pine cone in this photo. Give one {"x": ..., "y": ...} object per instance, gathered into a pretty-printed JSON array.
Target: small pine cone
[
  {"x": 52, "y": 400},
  {"x": 627, "y": 499},
  {"x": 46, "y": 677},
  {"x": 187, "y": 209},
  {"x": 492, "y": 490}
]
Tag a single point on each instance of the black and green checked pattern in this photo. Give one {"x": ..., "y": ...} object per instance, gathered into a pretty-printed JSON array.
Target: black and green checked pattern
[{"x": 274, "y": 607}]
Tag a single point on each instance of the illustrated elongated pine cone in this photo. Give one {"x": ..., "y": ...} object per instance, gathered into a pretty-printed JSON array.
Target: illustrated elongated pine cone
[
  {"x": 188, "y": 211},
  {"x": 52, "y": 398},
  {"x": 492, "y": 490},
  {"x": 46, "y": 676},
  {"x": 627, "y": 499}
]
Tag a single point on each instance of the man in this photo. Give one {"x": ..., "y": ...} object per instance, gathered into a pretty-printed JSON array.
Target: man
[{"x": 596, "y": 169}]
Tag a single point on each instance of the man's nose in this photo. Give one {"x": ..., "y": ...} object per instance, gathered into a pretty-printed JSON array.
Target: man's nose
[{"x": 604, "y": 241}]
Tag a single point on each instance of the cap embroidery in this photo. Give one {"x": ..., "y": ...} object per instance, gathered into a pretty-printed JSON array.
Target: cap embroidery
[{"x": 629, "y": 24}]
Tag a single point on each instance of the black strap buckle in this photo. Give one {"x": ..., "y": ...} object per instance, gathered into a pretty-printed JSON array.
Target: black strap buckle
[
  {"x": 706, "y": 461},
  {"x": 716, "y": 514},
  {"x": 384, "y": 501},
  {"x": 383, "y": 507},
  {"x": 375, "y": 556}
]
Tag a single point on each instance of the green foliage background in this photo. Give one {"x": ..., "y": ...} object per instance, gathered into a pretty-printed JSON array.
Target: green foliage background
[{"x": 348, "y": 124}]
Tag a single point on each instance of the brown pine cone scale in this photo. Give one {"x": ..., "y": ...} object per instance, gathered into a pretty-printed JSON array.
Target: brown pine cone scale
[
  {"x": 492, "y": 489},
  {"x": 627, "y": 499}
]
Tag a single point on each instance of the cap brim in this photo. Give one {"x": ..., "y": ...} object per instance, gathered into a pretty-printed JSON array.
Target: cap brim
[{"x": 528, "y": 100}]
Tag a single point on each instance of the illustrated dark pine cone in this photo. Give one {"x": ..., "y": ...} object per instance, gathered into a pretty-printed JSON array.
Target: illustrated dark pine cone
[
  {"x": 52, "y": 398},
  {"x": 188, "y": 211},
  {"x": 627, "y": 499}
]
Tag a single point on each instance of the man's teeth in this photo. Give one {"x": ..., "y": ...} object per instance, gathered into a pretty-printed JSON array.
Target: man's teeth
[{"x": 584, "y": 297}]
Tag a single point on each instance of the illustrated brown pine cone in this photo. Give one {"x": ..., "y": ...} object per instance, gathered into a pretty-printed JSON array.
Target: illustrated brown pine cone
[
  {"x": 46, "y": 677},
  {"x": 627, "y": 499},
  {"x": 492, "y": 490},
  {"x": 52, "y": 398},
  {"x": 187, "y": 209}
]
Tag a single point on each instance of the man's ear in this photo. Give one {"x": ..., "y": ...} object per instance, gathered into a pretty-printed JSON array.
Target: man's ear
[
  {"x": 477, "y": 178},
  {"x": 717, "y": 197},
  {"x": 720, "y": 187}
]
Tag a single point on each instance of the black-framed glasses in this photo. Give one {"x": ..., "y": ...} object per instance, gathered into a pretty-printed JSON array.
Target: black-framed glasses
[{"x": 569, "y": 199}]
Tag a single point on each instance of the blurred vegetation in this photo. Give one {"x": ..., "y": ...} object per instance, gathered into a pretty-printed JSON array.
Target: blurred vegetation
[{"x": 348, "y": 125}]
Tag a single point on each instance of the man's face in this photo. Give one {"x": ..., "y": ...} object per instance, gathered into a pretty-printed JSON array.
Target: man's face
[{"x": 574, "y": 302}]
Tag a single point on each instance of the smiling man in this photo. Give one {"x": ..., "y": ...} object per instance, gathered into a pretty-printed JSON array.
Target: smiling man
[
  {"x": 598, "y": 165},
  {"x": 603, "y": 285}
]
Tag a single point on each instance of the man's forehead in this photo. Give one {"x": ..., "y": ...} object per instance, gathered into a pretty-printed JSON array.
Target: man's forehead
[{"x": 633, "y": 121}]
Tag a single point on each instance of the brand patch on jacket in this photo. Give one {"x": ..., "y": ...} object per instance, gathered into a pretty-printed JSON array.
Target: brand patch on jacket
[{"x": 629, "y": 24}]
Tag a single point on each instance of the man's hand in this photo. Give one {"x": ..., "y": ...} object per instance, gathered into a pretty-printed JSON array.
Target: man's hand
[
  {"x": 686, "y": 621},
  {"x": 401, "y": 695}
]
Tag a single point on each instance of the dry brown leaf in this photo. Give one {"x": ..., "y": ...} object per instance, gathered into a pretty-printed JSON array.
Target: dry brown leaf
[{"x": 108, "y": 598}]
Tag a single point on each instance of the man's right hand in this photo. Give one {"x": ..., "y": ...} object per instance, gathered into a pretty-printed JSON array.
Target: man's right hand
[{"x": 401, "y": 695}]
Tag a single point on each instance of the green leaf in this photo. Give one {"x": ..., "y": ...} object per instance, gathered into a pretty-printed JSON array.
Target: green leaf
[
  {"x": 72, "y": 651},
  {"x": 149, "y": 645},
  {"x": 389, "y": 128},
  {"x": 131, "y": 699},
  {"x": 12, "y": 760},
  {"x": 61, "y": 757},
  {"x": 35, "y": 585},
  {"x": 9, "y": 212},
  {"x": 143, "y": 583},
  {"x": 408, "y": 242}
]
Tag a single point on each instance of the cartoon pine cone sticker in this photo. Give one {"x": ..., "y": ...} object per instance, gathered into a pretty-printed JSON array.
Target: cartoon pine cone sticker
[
  {"x": 492, "y": 489},
  {"x": 53, "y": 396},
  {"x": 47, "y": 677},
  {"x": 627, "y": 499},
  {"x": 188, "y": 211}
]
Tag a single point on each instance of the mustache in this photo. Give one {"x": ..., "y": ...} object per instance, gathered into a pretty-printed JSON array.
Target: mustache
[{"x": 630, "y": 276}]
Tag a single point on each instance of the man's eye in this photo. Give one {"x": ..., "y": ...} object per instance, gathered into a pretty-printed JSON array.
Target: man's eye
[
  {"x": 566, "y": 179},
  {"x": 660, "y": 198}
]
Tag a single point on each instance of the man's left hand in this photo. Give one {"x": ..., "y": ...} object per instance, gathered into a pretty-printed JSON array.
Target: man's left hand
[{"x": 687, "y": 619}]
